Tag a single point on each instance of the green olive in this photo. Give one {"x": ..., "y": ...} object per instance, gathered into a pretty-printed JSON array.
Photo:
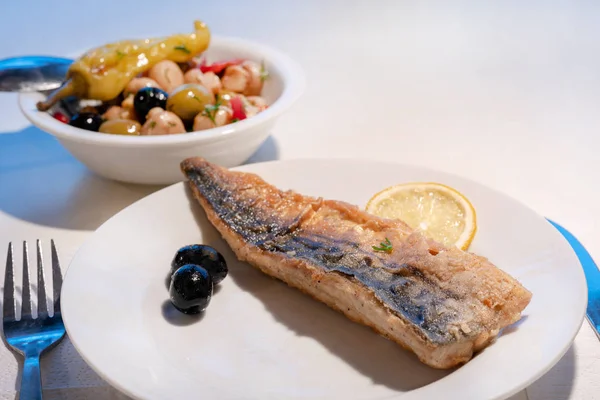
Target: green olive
[
  {"x": 188, "y": 100},
  {"x": 121, "y": 127}
]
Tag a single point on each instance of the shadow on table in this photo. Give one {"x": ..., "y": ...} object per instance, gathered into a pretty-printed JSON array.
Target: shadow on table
[
  {"x": 269, "y": 151},
  {"x": 42, "y": 183},
  {"x": 87, "y": 393}
]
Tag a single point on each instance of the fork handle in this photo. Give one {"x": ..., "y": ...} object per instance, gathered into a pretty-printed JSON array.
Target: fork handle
[{"x": 31, "y": 381}]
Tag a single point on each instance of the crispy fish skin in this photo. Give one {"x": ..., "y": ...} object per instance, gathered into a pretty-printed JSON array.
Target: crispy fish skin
[{"x": 441, "y": 303}]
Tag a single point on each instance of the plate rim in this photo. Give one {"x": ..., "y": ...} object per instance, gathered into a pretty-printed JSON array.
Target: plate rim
[{"x": 250, "y": 167}]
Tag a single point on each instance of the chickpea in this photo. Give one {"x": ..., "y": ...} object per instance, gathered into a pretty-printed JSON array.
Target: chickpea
[
  {"x": 209, "y": 80},
  {"x": 194, "y": 75},
  {"x": 154, "y": 112},
  {"x": 255, "y": 82},
  {"x": 257, "y": 101},
  {"x": 235, "y": 78},
  {"x": 212, "y": 82},
  {"x": 116, "y": 112},
  {"x": 128, "y": 110},
  {"x": 202, "y": 122},
  {"x": 161, "y": 122},
  {"x": 221, "y": 117},
  {"x": 127, "y": 103},
  {"x": 129, "y": 113},
  {"x": 249, "y": 108},
  {"x": 137, "y": 83},
  {"x": 251, "y": 111},
  {"x": 167, "y": 74}
]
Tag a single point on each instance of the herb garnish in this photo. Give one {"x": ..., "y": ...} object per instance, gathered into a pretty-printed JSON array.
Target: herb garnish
[
  {"x": 152, "y": 124},
  {"x": 384, "y": 246},
  {"x": 235, "y": 120},
  {"x": 172, "y": 123},
  {"x": 210, "y": 110},
  {"x": 183, "y": 48},
  {"x": 264, "y": 74},
  {"x": 120, "y": 54}
]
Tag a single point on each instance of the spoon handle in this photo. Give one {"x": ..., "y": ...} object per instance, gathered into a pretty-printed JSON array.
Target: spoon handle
[{"x": 32, "y": 73}]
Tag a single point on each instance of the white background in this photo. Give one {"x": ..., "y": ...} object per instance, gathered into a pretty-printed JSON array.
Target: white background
[{"x": 506, "y": 93}]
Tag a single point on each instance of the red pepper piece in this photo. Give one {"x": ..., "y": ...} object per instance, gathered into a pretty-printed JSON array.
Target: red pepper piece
[
  {"x": 218, "y": 66},
  {"x": 238, "y": 108},
  {"x": 61, "y": 117}
]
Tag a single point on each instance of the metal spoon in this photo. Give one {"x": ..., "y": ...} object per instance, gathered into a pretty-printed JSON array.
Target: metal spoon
[{"x": 32, "y": 73}]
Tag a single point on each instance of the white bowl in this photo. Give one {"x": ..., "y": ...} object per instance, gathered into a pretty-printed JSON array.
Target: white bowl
[{"x": 155, "y": 159}]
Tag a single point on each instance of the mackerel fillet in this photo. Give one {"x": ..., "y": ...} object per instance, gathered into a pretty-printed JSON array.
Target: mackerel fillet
[{"x": 441, "y": 303}]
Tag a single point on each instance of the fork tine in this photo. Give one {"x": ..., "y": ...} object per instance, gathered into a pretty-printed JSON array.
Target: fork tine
[
  {"x": 56, "y": 278},
  {"x": 42, "y": 305},
  {"x": 26, "y": 298},
  {"x": 9, "y": 287}
]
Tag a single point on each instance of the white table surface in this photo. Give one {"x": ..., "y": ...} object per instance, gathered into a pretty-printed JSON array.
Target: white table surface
[{"x": 505, "y": 93}]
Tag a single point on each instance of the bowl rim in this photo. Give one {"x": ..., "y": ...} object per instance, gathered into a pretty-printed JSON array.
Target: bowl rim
[{"x": 292, "y": 75}]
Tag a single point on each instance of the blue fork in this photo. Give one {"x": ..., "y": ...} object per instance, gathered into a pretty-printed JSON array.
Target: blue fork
[{"x": 29, "y": 336}]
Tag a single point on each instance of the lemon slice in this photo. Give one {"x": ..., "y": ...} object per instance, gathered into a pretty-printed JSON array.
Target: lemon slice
[{"x": 438, "y": 211}]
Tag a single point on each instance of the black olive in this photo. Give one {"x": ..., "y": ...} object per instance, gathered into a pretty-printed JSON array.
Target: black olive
[
  {"x": 191, "y": 289},
  {"x": 204, "y": 256},
  {"x": 147, "y": 98},
  {"x": 86, "y": 120}
]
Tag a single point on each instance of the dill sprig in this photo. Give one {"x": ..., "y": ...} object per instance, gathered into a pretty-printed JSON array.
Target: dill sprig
[
  {"x": 210, "y": 110},
  {"x": 183, "y": 48},
  {"x": 386, "y": 246},
  {"x": 264, "y": 74}
]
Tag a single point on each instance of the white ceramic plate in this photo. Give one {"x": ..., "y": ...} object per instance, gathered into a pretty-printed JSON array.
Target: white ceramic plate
[{"x": 260, "y": 339}]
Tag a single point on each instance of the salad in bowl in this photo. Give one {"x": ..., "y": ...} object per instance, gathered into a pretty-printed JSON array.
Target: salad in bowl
[{"x": 133, "y": 109}]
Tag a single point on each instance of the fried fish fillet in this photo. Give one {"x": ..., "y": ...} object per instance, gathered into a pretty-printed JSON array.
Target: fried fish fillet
[{"x": 442, "y": 303}]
